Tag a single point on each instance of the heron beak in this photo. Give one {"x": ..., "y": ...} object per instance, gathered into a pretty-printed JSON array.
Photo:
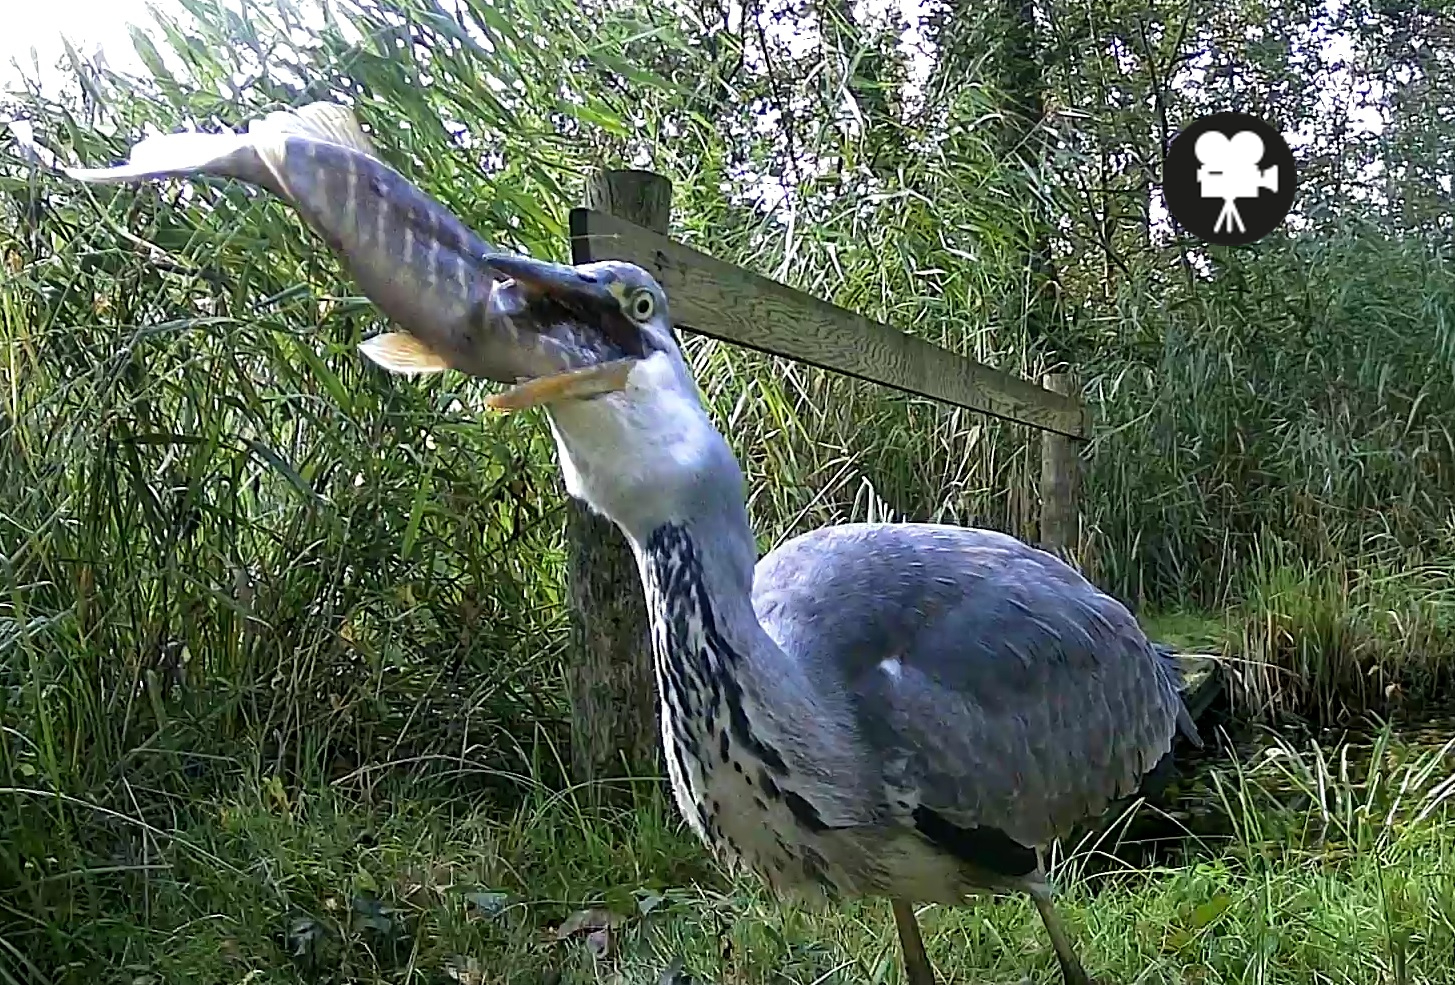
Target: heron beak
[{"x": 543, "y": 292}]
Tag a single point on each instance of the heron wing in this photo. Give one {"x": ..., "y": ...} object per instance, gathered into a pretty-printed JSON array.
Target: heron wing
[{"x": 993, "y": 686}]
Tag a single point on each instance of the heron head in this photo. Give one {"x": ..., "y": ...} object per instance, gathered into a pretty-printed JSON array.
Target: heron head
[{"x": 634, "y": 440}]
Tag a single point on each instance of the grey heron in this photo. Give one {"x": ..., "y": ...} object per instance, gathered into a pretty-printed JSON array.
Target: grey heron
[
  {"x": 905, "y": 710},
  {"x": 902, "y": 710}
]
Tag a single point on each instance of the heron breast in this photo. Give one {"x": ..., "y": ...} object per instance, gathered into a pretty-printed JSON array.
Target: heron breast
[{"x": 737, "y": 807}]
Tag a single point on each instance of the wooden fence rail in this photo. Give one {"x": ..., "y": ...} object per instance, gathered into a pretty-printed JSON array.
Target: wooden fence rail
[{"x": 736, "y": 305}]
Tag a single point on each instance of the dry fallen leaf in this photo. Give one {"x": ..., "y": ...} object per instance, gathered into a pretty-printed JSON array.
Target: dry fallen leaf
[
  {"x": 588, "y": 921},
  {"x": 597, "y": 924}
]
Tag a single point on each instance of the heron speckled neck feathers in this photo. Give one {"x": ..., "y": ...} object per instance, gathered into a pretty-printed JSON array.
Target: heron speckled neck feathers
[{"x": 735, "y": 754}]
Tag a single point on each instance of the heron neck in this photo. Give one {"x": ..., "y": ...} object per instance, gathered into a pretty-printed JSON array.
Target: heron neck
[
  {"x": 730, "y": 696},
  {"x": 704, "y": 563},
  {"x": 713, "y": 660}
]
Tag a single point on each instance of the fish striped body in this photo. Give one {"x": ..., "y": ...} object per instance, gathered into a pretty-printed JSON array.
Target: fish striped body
[{"x": 414, "y": 259}]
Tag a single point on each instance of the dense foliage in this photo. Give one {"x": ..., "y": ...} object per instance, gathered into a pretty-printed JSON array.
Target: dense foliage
[{"x": 231, "y": 547}]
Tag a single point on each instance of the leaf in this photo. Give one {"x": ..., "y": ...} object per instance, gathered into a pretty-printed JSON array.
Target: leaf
[
  {"x": 647, "y": 901},
  {"x": 327, "y": 378},
  {"x": 488, "y": 904},
  {"x": 635, "y": 73},
  {"x": 364, "y": 883},
  {"x": 602, "y": 118},
  {"x": 597, "y": 924},
  {"x": 147, "y": 52},
  {"x": 272, "y": 458},
  {"x": 1210, "y": 911},
  {"x": 1178, "y": 939},
  {"x": 1205, "y": 914},
  {"x": 416, "y": 510},
  {"x": 275, "y": 793},
  {"x": 586, "y": 921}
]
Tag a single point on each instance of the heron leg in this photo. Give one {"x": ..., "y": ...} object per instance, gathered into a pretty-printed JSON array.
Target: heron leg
[
  {"x": 1071, "y": 970},
  {"x": 917, "y": 970}
]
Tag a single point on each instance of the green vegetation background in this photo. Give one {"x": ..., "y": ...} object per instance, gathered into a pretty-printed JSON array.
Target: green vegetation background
[{"x": 281, "y": 636}]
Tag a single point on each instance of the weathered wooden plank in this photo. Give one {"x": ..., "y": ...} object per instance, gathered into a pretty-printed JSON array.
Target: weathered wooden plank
[
  {"x": 1202, "y": 680},
  {"x": 739, "y": 306},
  {"x": 1060, "y": 482}
]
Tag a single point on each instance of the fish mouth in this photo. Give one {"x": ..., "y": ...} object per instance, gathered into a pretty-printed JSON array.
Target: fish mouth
[{"x": 580, "y": 309}]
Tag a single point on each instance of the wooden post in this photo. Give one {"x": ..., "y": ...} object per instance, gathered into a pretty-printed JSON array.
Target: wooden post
[
  {"x": 613, "y": 704},
  {"x": 1060, "y": 480}
]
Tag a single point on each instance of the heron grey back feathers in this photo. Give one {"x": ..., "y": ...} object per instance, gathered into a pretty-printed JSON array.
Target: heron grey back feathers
[
  {"x": 906, "y": 710},
  {"x": 988, "y": 681}
]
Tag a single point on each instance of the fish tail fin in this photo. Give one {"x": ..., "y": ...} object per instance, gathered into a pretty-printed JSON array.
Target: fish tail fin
[
  {"x": 171, "y": 154},
  {"x": 253, "y": 155}
]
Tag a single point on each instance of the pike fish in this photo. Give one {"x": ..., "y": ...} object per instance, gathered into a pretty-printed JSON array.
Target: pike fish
[{"x": 437, "y": 280}]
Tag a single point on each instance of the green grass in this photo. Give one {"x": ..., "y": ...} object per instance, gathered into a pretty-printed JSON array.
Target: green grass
[
  {"x": 1187, "y": 630},
  {"x": 1330, "y": 640},
  {"x": 1326, "y": 878},
  {"x": 1345, "y": 636}
]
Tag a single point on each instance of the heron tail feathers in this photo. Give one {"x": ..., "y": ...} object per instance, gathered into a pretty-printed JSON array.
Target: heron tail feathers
[{"x": 1167, "y": 660}]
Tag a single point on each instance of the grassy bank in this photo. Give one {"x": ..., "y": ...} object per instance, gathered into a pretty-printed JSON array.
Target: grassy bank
[
  {"x": 1327, "y": 878},
  {"x": 1329, "y": 641}
]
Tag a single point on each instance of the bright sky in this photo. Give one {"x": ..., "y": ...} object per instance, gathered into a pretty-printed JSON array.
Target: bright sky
[
  {"x": 92, "y": 24},
  {"x": 89, "y": 24}
]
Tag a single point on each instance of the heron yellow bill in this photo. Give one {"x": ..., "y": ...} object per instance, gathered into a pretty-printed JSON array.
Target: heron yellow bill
[{"x": 576, "y": 384}]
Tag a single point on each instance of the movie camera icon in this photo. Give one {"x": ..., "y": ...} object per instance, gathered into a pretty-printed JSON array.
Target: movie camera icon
[{"x": 1229, "y": 171}]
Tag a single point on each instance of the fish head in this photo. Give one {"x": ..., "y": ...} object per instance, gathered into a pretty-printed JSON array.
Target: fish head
[
  {"x": 633, "y": 436},
  {"x": 590, "y": 327}
]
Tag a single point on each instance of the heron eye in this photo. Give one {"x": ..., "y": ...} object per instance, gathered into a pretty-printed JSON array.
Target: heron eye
[{"x": 642, "y": 306}]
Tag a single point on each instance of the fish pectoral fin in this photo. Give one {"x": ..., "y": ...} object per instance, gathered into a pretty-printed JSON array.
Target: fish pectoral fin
[
  {"x": 333, "y": 123},
  {"x": 400, "y": 352}
]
